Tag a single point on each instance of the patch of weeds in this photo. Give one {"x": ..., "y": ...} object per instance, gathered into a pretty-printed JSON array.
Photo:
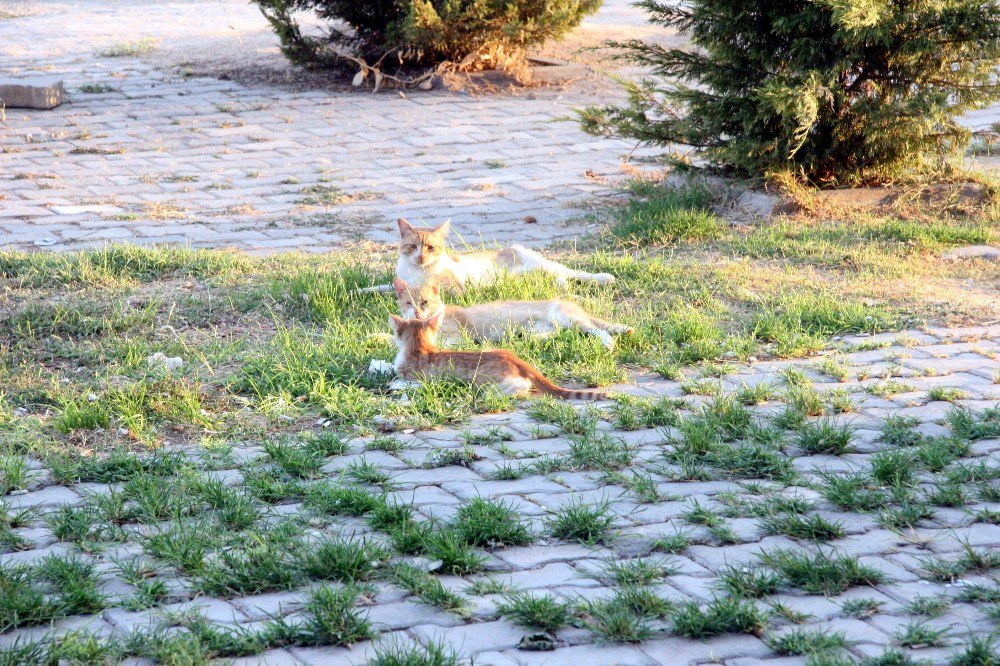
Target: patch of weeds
[
  {"x": 888, "y": 388},
  {"x": 260, "y": 563},
  {"x": 813, "y": 528},
  {"x": 76, "y": 582},
  {"x": 463, "y": 457},
  {"x": 820, "y": 572},
  {"x": 340, "y": 500},
  {"x": 615, "y": 623},
  {"x": 936, "y": 453},
  {"x": 861, "y": 608},
  {"x": 635, "y": 413},
  {"x": 723, "y": 615},
  {"x": 396, "y": 652},
  {"x": 297, "y": 460},
  {"x": 428, "y": 588},
  {"x": 665, "y": 216},
  {"x": 450, "y": 547},
  {"x": 363, "y": 471},
  {"x": 698, "y": 514},
  {"x": 346, "y": 560},
  {"x": 489, "y": 437},
  {"x": 834, "y": 369},
  {"x": 539, "y": 611},
  {"x": 907, "y": 515},
  {"x": 978, "y": 651},
  {"x": 947, "y": 495},
  {"x": 599, "y": 451},
  {"x": 328, "y": 618},
  {"x": 800, "y": 641},
  {"x": 489, "y": 585},
  {"x": 585, "y": 523},
  {"x": 637, "y": 572},
  {"x": 946, "y": 394},
  {"x": 747, "y": 582},
  {"x": 756, "y": 395},
  {"x": 929, "y": 606},
  {"x": 901, "y": 431},
  {"x": 386, "y": 443},
  {"x": 671, "y": 543},
  {"x": 852, "y": 492},
  {"x": 564, "y": 415},
  {"x": 132, "y": 48},
  {"x": 490, "y": 523},
  {"x": 970, "y": 426},
  {"x": 824, "y": 436},
  {"x": 920, "y": 635},
  {"x": 21, "y": 603},
  {"x": 893, "y": 468}
]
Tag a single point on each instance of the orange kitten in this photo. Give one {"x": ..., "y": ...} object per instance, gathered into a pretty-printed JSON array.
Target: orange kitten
[
  {"x": 490, "y": 321},
  {"x": 423, "y": 256},
  {"x": 419, "y": 356}
]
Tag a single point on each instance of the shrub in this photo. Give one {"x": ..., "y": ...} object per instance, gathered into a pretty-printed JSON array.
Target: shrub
[
  {"x": 837, "y": 91},
  {"x": 423, "y": 31}
]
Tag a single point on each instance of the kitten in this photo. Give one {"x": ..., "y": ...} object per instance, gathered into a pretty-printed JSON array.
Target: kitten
[
  {"x": 423, "y": 255},
  {"x": 419, "y": 356},
  {"x": 490, "y": 321}
]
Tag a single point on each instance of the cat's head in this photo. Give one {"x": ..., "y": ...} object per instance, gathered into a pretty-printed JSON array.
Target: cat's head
[
  {"x": 418, "y": 302},
  {"x": 412, "y": 333},
  {"x": 422, "y": 247}
]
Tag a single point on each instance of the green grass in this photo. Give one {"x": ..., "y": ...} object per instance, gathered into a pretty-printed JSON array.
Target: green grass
[
  {"x": 537, "y": 611},
  {"x": 132, "y": 48}
]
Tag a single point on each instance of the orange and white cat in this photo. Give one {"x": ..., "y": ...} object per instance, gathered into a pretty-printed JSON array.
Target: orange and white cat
[
  {"x": 419, "y": 357},
  {"x": 491, "y": 321},
  {"x": 423, "y": 256}
]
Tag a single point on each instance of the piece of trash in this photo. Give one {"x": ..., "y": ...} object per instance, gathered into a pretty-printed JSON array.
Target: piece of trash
[
  {"x": 168, "y": 362},
  {"x": 379, "y": 367},
  {"x": 45, "y": 242},
  {"x": 536, "y": 642}
]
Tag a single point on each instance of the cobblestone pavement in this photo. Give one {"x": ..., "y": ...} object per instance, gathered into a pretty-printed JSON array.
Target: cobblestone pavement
[
  {"x": 145, "y": 154},
  {"x": 926, "y": 573}
]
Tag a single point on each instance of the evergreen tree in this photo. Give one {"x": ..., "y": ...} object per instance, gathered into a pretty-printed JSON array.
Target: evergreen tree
[
  {"x": 838, "y": 91},
  {"x": 421, "y": 31}
]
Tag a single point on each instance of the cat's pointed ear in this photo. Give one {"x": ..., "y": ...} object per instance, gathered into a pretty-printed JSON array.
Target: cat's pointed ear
[
  {"x": 404, "y": 227},
  {"x": 434, "y": 321},
  {"x": 395, "y": 322},
  {"x": 400, "y": 286},
  {"x": 443, "y": 228}
]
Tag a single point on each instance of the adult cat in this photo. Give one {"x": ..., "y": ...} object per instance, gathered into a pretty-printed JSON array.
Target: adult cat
[
  {"x": 419, "y": 357},
  {"x": 423, "y": 256},
  {"x": 490, "y": 321}
]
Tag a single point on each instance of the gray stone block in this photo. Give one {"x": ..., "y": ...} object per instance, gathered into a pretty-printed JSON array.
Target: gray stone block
[{"x": 34, "y": 93}]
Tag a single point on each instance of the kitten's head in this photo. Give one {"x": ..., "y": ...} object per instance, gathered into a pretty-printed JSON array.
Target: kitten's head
[
  {"x": 422, "y": 247},
  {"x": 411, "y": 333},
  {"x": 417, "y": 303}
]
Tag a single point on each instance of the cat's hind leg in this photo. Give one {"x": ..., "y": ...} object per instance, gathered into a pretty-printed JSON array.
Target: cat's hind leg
[
  {"x": 526, "y": 260},
  {"x": 571, "y": 315},
  {"x": 518, "y": 387}
]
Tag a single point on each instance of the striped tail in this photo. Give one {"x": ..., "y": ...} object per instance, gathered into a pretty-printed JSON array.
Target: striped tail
[{"x": 543, "y": 385}]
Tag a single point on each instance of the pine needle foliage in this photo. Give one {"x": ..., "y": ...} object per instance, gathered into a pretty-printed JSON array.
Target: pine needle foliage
[{"x": 836, "y": 92}]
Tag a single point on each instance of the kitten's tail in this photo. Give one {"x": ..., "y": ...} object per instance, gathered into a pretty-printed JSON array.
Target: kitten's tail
[{"x": 542, "y": 384}]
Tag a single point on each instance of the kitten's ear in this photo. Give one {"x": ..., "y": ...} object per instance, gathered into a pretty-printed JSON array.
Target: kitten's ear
[
  {"x": 400, "y": 286},
  {"x": 436, "y": 290},
  {"x": 395, "y": 322},
  {"x": 434, "y": 321},
  {"x": 404, "y": 227},
  {"x": 443, "y": 228}
]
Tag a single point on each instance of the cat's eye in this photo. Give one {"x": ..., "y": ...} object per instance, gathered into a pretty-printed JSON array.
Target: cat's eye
[
  {"x": 428, "y": 248},
  {"x": 423, "y": 304},
  {"x": 410, "y": 248}
]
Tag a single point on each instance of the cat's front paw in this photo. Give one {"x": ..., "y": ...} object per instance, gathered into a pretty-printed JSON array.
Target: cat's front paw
[{"x": 604, "y": 278}]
